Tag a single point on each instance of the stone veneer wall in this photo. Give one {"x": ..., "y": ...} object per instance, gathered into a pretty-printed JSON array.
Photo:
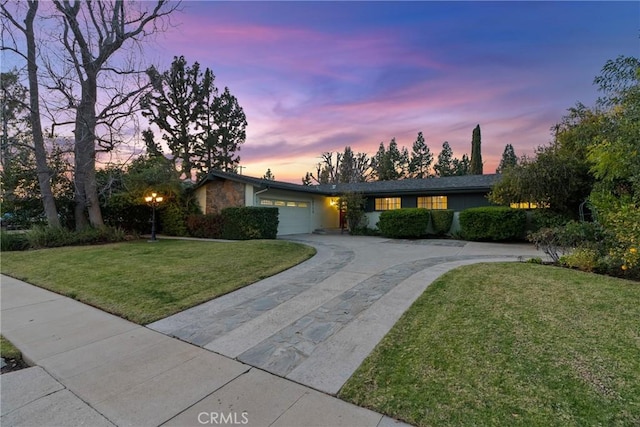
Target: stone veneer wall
[{"x": 224, "y": 194}]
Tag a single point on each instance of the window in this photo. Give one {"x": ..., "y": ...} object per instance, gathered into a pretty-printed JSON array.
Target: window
[
  {"x": 387, "y": 203},
  {"x": 281, "y": 203},
  {"x": 433, "y": 202}
]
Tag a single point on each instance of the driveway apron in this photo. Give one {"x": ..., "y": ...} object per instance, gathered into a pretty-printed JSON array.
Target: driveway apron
[{"x": 315, "y": 323}]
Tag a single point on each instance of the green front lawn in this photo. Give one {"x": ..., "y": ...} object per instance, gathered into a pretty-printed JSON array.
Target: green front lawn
[
  {"x": 144, "y": 282},
  {"x": 510, "y": 344}
]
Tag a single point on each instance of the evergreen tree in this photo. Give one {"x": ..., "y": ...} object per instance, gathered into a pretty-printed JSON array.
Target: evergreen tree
[
  {"x": 175, "y": 105},
  {"x": 346, "y": 166},
  {"x": 268, "y": 175},
  {"x": 462, "y": 166},
  {"x": 445, "y": 165},
  {"x": 391, "y": 164},
  {"x": 508, "y": 160},
  {"x": 225, "y": 136},
  {"x": 203, "y": 130},
  {"x": 421, "y": 158},
  {"x": 476, "y": 155}
]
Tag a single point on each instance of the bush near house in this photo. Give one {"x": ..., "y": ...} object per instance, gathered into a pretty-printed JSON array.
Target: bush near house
[
  {"x": 493, "y": 223},
  {"x": 250, "y": 222},
  {"x": 404, "y": 223},
  {"x": 207, "y": 226},
  {"x": 441, "y": 221}
]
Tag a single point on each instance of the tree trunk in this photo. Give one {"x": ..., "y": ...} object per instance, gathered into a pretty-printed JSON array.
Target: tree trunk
[
  {"x": 86, "y": 192},
  {"x": 44, "y": 174}
]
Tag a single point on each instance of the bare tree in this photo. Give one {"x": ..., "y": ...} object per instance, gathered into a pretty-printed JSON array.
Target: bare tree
[
  {"x": 44, "y": 174},
  {"x": 348, "y": 167},
  {"x": 92, "y": 32}
]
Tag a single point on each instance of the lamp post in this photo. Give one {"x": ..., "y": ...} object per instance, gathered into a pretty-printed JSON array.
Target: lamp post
[{"x": 153, "y": 200}]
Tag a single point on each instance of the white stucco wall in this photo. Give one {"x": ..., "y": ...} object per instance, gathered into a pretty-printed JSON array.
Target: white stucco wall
[{"x": 201, "y": 197}]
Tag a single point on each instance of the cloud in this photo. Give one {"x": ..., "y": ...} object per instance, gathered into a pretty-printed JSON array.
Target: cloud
[{"x": 315, "y": 77}]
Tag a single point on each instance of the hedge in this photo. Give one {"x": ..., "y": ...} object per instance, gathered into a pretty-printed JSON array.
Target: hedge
[
  {"x": 404, "y": 223},
  {"x": 441, "y": 221},
  {"x": 493, "y": 223},
  {"x": 249, "y": 222},
  {"x": 207, "y": 226}
]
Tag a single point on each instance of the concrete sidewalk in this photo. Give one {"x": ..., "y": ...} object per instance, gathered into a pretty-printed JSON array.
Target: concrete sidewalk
[{"x": 96, "y": 369}]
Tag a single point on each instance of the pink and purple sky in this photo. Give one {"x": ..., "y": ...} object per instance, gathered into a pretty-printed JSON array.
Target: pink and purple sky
[{"x": 318, "y": 76}]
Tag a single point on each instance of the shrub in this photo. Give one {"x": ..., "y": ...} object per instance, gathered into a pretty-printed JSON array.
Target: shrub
[
  {"x": 13, "y": 241},
  {"x": 549, "y": 241},
  {"x": 584, "y": 259},
  {"x": 558, "y": 241},
  {"x": 173, "y": 220},
  {"x": 544, "y": 218},
  {"x": 441, "y": 221},
  {"x": 250, "y": 222},
  {"x": 48, "y": 237},
  {"x": 126, "y": 211},
  {"x": 404, "y": 223},
  {"x": 205, "y": 226},
  {"x": 624, "y": 225},
  {"x": 353, "y": 206},
  {"x": 493, "y": 223}
]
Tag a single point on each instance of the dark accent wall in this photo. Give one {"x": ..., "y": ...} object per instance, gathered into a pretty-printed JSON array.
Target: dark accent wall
[
  {"x": 460, "y": 202},
  {"x": 457, "y": 202}
]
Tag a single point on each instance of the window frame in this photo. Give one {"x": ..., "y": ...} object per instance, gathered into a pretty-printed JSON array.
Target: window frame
[
  {"x": 434, "y": 203},
  {"x": 387, "y": 203}
]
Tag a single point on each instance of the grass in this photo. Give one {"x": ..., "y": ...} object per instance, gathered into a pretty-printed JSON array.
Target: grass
[
  {"x": 510, "y": 344},
  {"x": 8, "y": 350},
  {"x": 144, "y": 282}
]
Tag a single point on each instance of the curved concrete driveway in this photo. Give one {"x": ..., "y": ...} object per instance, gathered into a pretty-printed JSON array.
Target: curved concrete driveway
[{"x": 315, "y": 323}]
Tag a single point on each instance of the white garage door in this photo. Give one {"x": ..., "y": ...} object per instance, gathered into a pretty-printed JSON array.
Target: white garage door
[{"x": 294, "y": 215}]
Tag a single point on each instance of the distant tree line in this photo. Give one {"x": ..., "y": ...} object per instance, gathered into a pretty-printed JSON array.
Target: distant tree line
[{"x": 392, "y": 162}]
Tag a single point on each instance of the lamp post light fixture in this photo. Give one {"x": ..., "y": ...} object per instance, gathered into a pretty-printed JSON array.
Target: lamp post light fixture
[{"x": 153, "y": 200}]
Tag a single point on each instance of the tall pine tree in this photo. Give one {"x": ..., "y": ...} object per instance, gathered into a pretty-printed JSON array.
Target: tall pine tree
[
  {"x": 392, "y": 163},
  {"x": 421, "y": 158},
  {"x": 508, "y": 160},
  {"x": 476, "y": 155},
  {"x": 445, "y": 165},
  {"x": 225, "y": 123},
  {"x": 202, "y": 129},
  {"x": 175, "y": 105}
]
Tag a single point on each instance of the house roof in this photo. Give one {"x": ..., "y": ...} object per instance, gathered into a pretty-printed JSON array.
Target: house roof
[
  {"x": 450, "y": 184},
  {"x": 257, "y": 182}
]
